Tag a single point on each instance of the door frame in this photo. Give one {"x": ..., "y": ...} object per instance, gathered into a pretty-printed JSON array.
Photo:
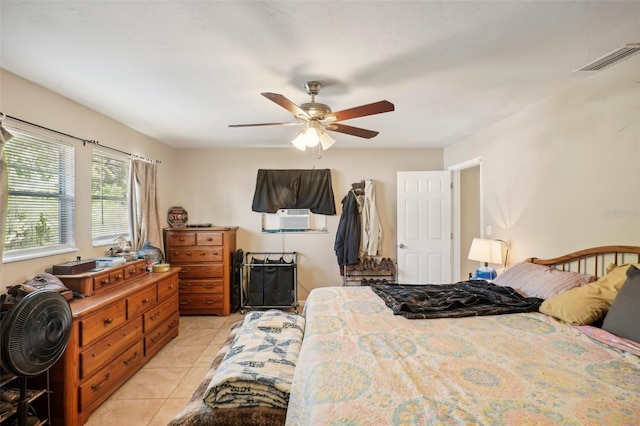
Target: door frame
[{"x": 455, "y": 209}]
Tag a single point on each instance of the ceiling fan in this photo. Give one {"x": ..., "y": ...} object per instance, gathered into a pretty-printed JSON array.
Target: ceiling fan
[{"x": 317, "y": 118}]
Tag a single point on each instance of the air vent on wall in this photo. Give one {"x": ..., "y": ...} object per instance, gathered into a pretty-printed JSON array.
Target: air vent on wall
[{"x": 611, "y": 58}]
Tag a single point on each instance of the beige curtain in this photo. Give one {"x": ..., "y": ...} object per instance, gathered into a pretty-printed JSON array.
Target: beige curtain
[
  {"x": 145, "y": 220},
  {"x": 5, "y": 136}
]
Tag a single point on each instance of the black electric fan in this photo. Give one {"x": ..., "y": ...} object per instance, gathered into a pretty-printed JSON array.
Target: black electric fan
[{"x": 33, "y": 335}]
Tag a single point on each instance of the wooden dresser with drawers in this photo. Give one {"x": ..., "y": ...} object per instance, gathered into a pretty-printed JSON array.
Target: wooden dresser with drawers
[
  {"x": 115, "y": 331},
  {"x": 204, "y": 257}
]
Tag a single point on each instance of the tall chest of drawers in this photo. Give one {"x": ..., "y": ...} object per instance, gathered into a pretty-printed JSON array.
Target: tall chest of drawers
[
  {"x": 114, "y": 333},
  {"x": 204, "y": 258}
]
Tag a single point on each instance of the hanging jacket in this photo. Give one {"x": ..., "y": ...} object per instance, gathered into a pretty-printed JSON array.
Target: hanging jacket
[
  {"x": 347, "y": 244},
  {"x": 371, "y": 235}
]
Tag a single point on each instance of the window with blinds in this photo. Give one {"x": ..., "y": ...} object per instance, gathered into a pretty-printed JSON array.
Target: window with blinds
[
  {"x": 109, "y": 199},
  {"x": 41, "y": 197}
]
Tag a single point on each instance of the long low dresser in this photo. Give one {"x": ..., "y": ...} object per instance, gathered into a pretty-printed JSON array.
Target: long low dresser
[{"x": 114, "y": 333}]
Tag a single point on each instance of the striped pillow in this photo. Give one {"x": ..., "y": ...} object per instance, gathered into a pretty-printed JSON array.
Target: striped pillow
[{"x": 533, "y": 280}]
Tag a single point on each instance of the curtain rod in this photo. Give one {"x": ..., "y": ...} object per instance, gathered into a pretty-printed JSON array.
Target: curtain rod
[{"x": 84, "y": 141}]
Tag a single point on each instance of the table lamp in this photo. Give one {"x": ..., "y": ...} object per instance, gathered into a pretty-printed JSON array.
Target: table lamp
[{"x": 487, "y": 251}]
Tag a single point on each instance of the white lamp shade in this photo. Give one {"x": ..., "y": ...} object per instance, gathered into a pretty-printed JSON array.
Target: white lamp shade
[
  {"x": 326, "y": 141},
  {"x": 299, "y": 142},
  {"x": 488, "y": 251}
]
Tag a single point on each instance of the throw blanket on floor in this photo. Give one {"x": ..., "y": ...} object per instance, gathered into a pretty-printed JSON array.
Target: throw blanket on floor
[
  {"x": 258, "y": 369},
  {"x": 463, "y": 299}
]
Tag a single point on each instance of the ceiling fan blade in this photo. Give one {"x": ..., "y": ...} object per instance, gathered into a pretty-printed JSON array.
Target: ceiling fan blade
[
  {"x": 350, "y": 130},
  {"x": 266, "y": 124},
  {"x": 363, "y": 110},
  {"x": 285, "y": 103}
]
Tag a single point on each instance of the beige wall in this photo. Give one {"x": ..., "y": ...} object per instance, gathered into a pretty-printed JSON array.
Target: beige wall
[
  {"x": 564, "y": 175},
  {"x": 213, "y": 185},
  {"x": 27, "y": 101},
  {"x": 217, "y": 186}
]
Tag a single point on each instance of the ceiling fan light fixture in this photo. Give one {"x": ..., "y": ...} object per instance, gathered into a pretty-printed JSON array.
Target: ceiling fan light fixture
[
  {"x": 311, "y": 136},
  {"x": 326, "y": 141},
  {"x": 298, "y": 141}
]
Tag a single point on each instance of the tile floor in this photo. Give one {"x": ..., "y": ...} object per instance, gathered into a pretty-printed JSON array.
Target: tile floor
[{"x": 158, "y": 391}]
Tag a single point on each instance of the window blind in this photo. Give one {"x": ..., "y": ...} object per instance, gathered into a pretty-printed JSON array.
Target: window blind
[
  {"x": 41, "y": 196},
  {"x": 109, "y": 200}
]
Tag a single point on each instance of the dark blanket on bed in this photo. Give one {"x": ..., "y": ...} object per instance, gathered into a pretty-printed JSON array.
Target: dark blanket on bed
[{"x": 463, "y": 299}]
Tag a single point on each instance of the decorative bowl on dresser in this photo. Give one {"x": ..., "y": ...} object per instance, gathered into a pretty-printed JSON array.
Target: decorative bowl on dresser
[
  {"x": 128, "y": 316},
  {"x": 204, "y": 257}
]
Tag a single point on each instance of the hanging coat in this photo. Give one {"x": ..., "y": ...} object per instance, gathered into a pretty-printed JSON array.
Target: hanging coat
[
  {"x": 371, "y": 235},
  {"x": 347, "y": 244}
]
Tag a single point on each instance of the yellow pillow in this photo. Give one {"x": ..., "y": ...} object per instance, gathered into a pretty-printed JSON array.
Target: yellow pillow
[{"x": 589, "y": 303}]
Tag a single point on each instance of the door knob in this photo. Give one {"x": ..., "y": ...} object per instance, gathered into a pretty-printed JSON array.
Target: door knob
[{"x": 401, "y": 245}]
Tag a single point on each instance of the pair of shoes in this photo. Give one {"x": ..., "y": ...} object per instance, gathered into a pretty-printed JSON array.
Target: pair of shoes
[
  {"x": 388, "y": 265},
  {"x": 374, "y": 281},
  {"x": 5, "y": 407},
  {"x": 358, "y": 266},
  {"x": 366, "y": 264},
  {"x": 384, "y": 264},
  {"x": 10, "y": 395},
  {"x": 391, "y": 266}
]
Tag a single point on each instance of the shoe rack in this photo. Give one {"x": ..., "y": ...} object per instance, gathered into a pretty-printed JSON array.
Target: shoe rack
[
  {"x": 370, "y": 270},
  {"x": 36, "y": 402}
]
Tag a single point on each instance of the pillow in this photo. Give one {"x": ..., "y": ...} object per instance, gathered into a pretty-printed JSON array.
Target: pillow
[
  {"x": 584, "y": 305},
  {"x": 623, "y": 318},
  {"x": 533, "y": 280}
]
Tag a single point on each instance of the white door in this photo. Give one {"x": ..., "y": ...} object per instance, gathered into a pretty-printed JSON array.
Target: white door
[{"x": 424, "y": 227}]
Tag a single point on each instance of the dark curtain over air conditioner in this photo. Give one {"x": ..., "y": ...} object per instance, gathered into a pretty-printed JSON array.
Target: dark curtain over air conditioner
[{"x": 294, "y": 189}]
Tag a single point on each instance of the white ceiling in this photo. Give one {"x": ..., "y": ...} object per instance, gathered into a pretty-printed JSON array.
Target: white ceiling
[{"x": 182, "y": 71}]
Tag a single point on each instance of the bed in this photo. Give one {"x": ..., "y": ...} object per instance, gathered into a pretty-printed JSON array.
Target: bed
[{"x": 360, "y": 363}]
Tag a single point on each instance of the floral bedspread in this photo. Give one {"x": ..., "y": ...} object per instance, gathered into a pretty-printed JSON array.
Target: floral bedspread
[{"x": 360, "y": 365}]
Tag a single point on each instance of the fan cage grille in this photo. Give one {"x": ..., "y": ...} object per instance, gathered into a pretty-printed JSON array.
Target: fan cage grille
[{"x": 35, "y": 333}]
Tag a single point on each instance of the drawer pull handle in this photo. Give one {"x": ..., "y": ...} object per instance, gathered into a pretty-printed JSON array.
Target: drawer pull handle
[
  {"x": 203, "y": 253},
  {"x": 173, "y": 323},
  {"x": 97, "y": 386},
  {"x": 185, "y": 285},
  {"x": 208, "y": 286},
  {"x": 208, "y": 302},
  {"x": 133, "y": 272},
  {"x": 145, "y": 301},
  {"x": 154, "y": 339},
  {"x": 186, "y": 302},
  {"x": 108, "y": 321},
  {"x": 181, "y": 239},
  {"x": 128, "y": 361},
  {"x": 155, "y": 317}
]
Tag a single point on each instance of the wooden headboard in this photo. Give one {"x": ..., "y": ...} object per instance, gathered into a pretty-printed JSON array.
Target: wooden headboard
[{"x": 593, "y": 261}]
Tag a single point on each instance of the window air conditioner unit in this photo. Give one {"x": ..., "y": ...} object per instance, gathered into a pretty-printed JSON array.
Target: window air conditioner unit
[{"x": 294, "y": 219}]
